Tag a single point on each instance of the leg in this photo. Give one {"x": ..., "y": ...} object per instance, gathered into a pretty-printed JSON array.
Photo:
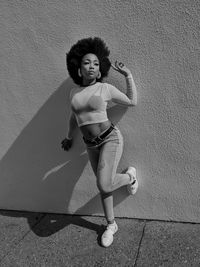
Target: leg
[
  {"x": 93, "y": 154},
  {"x": 107, "y": 179},
  {"x": 104, "y": 161},
  {"x": 110, "y": 154},
  {"x": 106, "y": 198}
]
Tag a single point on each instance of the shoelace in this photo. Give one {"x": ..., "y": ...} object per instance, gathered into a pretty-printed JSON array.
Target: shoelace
[{"x": 110, "y": 228}]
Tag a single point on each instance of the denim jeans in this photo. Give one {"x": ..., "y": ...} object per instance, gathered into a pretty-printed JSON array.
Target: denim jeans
[{"x": 104, "y": 159}]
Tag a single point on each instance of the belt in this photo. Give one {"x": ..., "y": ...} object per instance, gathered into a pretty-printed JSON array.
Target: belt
[{"x": 98, "y": 139}]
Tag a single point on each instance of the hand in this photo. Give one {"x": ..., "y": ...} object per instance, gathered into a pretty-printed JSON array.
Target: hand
[
  {"x": 121, "y": 68},
  {"x": 66, "y": 144}
]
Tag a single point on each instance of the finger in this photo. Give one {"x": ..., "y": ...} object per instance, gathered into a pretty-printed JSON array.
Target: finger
[
  {"x": 68, "y": 148},
  {"x": 65, "y": 148},
  {"x": 121, "y": 64},
  {"x": 113, "y": 66},
  {"x": 116, "y": 64}
]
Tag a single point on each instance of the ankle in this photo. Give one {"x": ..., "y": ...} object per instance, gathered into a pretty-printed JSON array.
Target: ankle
[
  {"x": 131, "y": 178},
  {"x": 111, "y": 221}
]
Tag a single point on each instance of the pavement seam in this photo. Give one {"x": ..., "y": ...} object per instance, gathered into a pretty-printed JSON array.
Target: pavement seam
[
  {"x": 139, "y": 246},
  {"x": 17, "y": 243}
]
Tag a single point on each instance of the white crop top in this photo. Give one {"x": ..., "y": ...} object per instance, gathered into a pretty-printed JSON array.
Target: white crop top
[{"x": 90, "y": 103}]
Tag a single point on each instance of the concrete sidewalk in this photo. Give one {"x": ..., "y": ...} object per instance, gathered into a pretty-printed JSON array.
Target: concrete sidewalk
[{"x": 39, "y": 239}]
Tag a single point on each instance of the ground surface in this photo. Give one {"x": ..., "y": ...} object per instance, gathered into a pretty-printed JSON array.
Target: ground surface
[{"x": 36, "y": 239}]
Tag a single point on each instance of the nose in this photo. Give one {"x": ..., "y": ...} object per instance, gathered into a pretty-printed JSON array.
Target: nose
[{"x": 91, "y": 66}]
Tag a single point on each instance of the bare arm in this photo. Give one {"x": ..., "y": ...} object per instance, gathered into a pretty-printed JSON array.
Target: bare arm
[
  {"x": 68, "y": 141},
  {"x": 131, "y": 89},
  {"x": 130, "y": 98},
  {"x": 72, "y": 126}
]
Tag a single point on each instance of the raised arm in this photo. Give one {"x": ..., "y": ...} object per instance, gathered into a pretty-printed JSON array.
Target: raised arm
[
  {"x": 131, "y": 89},
  {"x": 130, "y": 98}
]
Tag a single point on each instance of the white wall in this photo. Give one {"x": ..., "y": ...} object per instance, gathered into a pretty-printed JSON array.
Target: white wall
[{"x": 160, "y": 42}]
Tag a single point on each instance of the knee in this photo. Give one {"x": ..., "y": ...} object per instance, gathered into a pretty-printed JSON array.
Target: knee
[{"x": 104, "y": 187}]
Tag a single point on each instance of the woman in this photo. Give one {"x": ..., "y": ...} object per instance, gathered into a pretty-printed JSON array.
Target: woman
[{"x": 88, "y": 64}]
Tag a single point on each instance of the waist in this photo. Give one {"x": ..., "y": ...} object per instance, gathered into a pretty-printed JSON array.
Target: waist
[
  {"x": 90, "y": 131},
  {"x": 99, "y": 138}
]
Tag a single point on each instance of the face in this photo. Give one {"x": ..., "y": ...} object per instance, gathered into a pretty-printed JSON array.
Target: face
[{"x": 89, "y": 67}]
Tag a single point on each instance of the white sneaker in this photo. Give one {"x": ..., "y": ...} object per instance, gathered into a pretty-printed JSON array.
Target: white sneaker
[
  {"x": 133, "y": 186},
  {"x": 107, "y": 237}
]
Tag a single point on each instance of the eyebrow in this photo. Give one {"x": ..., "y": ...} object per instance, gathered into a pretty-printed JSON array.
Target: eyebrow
[{"x": 96, "y": 60}]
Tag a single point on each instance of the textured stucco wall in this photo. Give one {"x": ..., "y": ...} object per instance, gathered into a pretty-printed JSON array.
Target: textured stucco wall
[{"x": 160, "y": 42}]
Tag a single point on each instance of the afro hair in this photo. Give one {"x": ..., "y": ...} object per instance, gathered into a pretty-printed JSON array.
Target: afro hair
[{"x": 85, "y": 46}]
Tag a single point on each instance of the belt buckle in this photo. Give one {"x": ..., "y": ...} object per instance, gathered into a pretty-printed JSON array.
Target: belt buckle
[{"x": 97, "y": 140}]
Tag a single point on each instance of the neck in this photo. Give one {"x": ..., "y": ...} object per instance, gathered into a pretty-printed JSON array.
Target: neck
[{"x": 88, "y": 82}]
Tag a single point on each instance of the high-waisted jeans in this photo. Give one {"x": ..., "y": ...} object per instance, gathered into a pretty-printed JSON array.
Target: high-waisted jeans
[{"x": 104, "y": 159}]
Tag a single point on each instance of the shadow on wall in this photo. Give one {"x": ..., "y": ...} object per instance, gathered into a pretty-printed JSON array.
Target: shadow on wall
[{"x": 36, "y": 174}]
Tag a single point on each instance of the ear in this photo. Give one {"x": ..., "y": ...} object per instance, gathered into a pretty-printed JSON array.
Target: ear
[
  {"x": 99, "y": 75},
  {"x": 79, "y": 73}
]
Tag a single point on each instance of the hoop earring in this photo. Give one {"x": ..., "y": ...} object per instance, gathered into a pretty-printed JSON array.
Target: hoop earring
[
  {"x": 79, "y": 73},
  {"x": 99, "y": 75}
]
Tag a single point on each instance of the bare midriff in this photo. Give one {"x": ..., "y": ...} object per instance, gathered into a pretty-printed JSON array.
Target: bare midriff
[{"x": 90, "y": 131}]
